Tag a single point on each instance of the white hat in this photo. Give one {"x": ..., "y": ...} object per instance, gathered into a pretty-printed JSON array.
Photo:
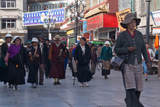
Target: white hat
[
  {"x": 35, "y": 40},
  {"x": 57, "y": 37},
  {"x": 107, "y": 43},
  {"x": 8, "y": 35},
  {"x": 16, "y": 37}
]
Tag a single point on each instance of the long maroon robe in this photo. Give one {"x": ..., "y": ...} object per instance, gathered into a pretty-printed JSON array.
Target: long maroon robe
[{"x": 57, "y": 62}]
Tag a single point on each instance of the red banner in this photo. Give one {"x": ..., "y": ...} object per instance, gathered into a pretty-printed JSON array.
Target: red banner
[
  {"x": 102, "y": 20},
  {"x": 95, "y": 22}
]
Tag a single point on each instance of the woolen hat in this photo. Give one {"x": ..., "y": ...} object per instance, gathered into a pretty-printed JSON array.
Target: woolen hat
[
  {"x": 16, "y": 37},
  {"x": 35, "y": 40},
  {"x": 8, "y": 35},
  {"x": 107, "y": 43},
  {"x": 128, "y": 18}
]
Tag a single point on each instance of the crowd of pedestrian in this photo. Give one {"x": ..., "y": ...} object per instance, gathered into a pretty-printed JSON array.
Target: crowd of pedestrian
[{"x": 42, "y": 58}]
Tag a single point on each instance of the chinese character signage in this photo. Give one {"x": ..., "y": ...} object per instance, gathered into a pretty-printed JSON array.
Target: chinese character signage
[
  {"x": 38, "y": 17},
  {"x": 156, "y": 17}
]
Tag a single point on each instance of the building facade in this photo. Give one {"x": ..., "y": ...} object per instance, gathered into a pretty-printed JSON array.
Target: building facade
[
  {"x": 42, "y": 5},
  {"x": 11, "y": 17},
  {"x": 100, "y": 20},
  {"x": 39, "y": 5},
  {"x": 141, "y": 10}
]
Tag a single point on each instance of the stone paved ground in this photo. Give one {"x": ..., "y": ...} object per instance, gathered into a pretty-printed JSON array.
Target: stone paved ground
[{"x": 101, "y": 93}]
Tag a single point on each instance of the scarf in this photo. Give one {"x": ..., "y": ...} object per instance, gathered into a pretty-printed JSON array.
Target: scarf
[{"x": 13, "y": 50}]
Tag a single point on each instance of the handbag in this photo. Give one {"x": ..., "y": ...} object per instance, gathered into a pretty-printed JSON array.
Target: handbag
[{"x": 116, "y": 62}]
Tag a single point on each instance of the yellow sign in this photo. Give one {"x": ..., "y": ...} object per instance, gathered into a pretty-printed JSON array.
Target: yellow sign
[
  {"x": 121, "y": 15},
  {"x": 70, "y": 32},
  {"x": 100, "y": 9}
]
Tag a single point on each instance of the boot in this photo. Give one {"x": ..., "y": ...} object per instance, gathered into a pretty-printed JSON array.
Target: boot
[
  {"x": 131, "y": 98},
  {"x": 138, "y": 93}
]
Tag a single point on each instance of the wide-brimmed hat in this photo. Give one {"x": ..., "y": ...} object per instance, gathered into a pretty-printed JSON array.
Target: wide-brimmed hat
[
  {"x": 35, "y": 40},
  {"x": 128, "y": 18},
  {"x": 57, "y": 37},
  {"x": 8, "y": 35}
]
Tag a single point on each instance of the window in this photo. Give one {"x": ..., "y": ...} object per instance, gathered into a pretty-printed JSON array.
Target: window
[
  {"x": 155, "y": 5},
  {"x": 8, "y": 3},
  {"x": 8, "y": 23}
]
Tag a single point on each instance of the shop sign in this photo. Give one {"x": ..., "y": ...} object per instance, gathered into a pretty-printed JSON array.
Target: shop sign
[
  {"x": 156, "y": 17},
  {"x": 38, "y": 17},
  {"x": 84, "y": 26},
  {"x": 70, "y": 32},
  {"x": 95, "y": 22},
  {"x": 121, "y": 15},
  {"x": 101, "y": 8},
  {"x": 156, "y": 31}
]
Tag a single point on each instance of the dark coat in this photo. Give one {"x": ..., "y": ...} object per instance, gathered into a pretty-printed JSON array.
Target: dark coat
[
  {"x": 16, "y": 75},
  {"x": 4, "y": 49},
  {"x": 57, "y": 62},
  {"x": 83, "y": 74},
  {"x": 124, "y": 41},
  {"x": 3, "y": 67},
  {"x": 47, "y": 63},
  {"x": 34, "y": 63}
]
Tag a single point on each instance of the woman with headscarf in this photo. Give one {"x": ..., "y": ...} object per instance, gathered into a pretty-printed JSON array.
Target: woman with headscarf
[
  {"x": 57, "y": 57},
  {"x": 130, "y": 46},
  {"x": 15, "y": 59},
  {"x": 106, "y": 56},
  {"x": 82, "y": 59},
  {"x": 34, "y": 62},
  {"x": 3, "y": 67}
]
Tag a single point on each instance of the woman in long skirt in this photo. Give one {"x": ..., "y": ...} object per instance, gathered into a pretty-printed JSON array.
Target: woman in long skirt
[
  {"x": 16, "y": 59},
  {"x": 4, "y": 50},
  {"x": 57, "y": 57},
  {"x": 82, "y": 58},
  {"x": 34, "y": 62}
]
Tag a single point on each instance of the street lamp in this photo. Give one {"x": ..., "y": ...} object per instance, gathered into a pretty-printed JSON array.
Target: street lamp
[
  {"x": 49, "y": 21},
  {"x": 148, "y": 20},
  {"x": 77, "y": 9}
]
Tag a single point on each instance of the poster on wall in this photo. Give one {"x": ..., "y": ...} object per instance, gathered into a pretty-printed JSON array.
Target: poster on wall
[{"x": 41, "y": 17}]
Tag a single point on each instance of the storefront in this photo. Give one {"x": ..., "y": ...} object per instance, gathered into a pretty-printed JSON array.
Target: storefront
[
  {"x": 101, "y": 27},
  {"x": 101, "y": 23}
]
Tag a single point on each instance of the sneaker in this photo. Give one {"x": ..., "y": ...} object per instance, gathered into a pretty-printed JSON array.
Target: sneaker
[
  {"x": 34, "y": 85},
  {"x": 10, "y": 86},
  {"x": 105, "y": 77},
  {"x": 58, "y": 83},
  {"x": 86, "y": 84},
  {"x": 81, "y": 84},
  {"x": 15, "y": 87},
  {"x": 146, "y": 79},
  {"x": 55, "y": 83}
]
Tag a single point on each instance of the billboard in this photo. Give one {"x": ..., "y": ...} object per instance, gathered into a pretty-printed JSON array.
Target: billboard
[
  {"x": 37, "y": 17},
  {"x": 156, "y": 17}
]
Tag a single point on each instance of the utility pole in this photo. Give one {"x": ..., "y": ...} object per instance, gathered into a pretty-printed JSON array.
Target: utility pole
[{"x": 148, "y": 20}]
